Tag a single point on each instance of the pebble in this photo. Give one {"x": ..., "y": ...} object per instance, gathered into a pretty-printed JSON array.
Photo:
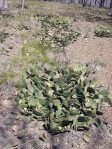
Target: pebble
[
  {"x": 48, "y": 146},
  {"x": 17, "y": 117},
  {"x": 15, "y": 128},
  {"x": 57, "y": 140}
]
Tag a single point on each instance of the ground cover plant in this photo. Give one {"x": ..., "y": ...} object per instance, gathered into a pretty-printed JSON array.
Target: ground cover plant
[
  {"x": 3, "y": 36},
  {"x": 55, "y": 31},
  {"x": 103, "y": 32},
  {"x": 63, "y": 98},
  {"x": 5, "y": 15}
]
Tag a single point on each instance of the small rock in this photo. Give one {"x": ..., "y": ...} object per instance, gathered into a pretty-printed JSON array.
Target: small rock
[
  {"x": 57, "y": 140},
  {"x": 10, "y": 47},
  {"x": 8, "y": 121},
  {"x": 56, "y": 146},
  {"x": 66, "y": 143},
  {"x": 7, "y": 103},
  {"x": 48, "y": 146},
  {"x": 42, "y": 138},
  {"x": 15, "y": 142},
  {"x": 26, "y": 120},
  {"x": 110, "y": 135},
  {"x": 17, "y": 117},
  {"x": 104, "y": 127},
  {"x": 110, "y": 131},
  {"x": 21, "y": 134},
  {"x": 15, "y": 128}
]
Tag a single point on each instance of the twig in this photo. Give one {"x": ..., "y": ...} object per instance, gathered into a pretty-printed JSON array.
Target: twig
[
  {"x": 109, "y": 82},
  {"x": 23, "y": 144},
  {"x": 66, "y": 59}
]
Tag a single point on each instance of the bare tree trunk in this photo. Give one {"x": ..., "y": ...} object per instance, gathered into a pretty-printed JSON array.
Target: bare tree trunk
[
  {"x": 23, "y": 3},
  {"x": 84, "y": 3},
  {"x": 90, "y": 3},
  {"x": 111, "y": 7},
  {"x": 111, "y": 4},
  {"x": 5, "y": 4},
  {"x": 1, "y": 4},
  {"x": 102, "y": 3}
]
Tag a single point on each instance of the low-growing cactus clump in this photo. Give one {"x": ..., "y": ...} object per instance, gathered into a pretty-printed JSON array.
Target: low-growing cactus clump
[
  {"x": 55, "y": 31},
  {"x": 102, "y": 32},
  {"x": 63, "y": 98}
]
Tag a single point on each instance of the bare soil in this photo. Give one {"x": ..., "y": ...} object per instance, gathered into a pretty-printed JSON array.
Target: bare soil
[{"x": 93, "y": 50}]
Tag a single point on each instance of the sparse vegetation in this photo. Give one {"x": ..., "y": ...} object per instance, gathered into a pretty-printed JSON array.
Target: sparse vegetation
[
  {"x": 22, "y": 26},
  {"x": 103, "y": 32},
  {"x": 3, "y": 36},
  {"x": 40, "y": 47},
  {"x": 3, "y": 51},
  {"x": 53, "y": 36},
  {"x": 6, "y": 76},
  {"x": 56, "y": 32}
]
